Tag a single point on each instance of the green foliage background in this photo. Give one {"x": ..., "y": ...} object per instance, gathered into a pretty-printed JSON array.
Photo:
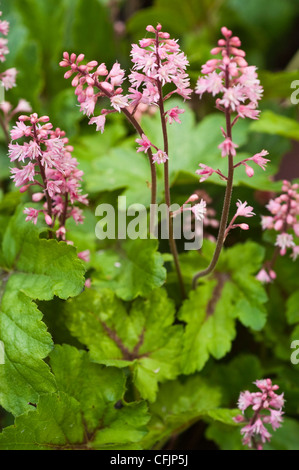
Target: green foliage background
[{"x": 126, "y": 365}]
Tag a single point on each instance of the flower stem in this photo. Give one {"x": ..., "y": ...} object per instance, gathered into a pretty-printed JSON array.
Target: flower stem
[
  {"x": 227, "y": 199},
  {"x": 172, "y": 243},
  {"x": 44, "y": 179}
]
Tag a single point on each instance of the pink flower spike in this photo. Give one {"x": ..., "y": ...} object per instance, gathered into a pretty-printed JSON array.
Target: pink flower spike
[
  {"x": 99, "y": 121},
  {"x": 144, "y": 143},
  {"x": 255, "y": 432},
  {"x": 227, "y": 147}
]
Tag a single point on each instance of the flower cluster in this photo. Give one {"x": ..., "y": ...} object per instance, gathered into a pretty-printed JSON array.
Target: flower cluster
[
  {"x": 231, "y": 77},
  {"x": 283, "y": 219},
  {"x": 51, "y": 167},
  {"x": 267, "y": 409},
  {"x": 156, "y": 61},
  {"x": 239, "y": 90}
]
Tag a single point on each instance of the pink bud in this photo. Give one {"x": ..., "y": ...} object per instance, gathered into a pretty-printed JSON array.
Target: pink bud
[
  {"x": 68, "y": 74},
  {"x": 66, "y": 55},
  {"x": 92, "y": 64},
  {"x": 249, "y": 170},
  {"x": 48, "y": 219},
  {"x": 216, "y": 50},
  {"x": 37, "y": 197},
  {"x": 244, "y": 226},
  {"x": 24, "y": 118},
  {"x": 23, "y": 189},
  {"x": 278, "y": 225},
  {"x": 193, "y": 198},
  {"x": 226, "y": 32},
  {"x": 80, "y": 58},
  {"x": 150, "y": 29}
]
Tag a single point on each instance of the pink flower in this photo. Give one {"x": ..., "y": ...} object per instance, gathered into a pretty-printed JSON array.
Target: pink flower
[
  {"x": 259, "y": 160},
  {"x": 199, "y": 210},
  {"x": 116, "y": 75},
  {"x": 119, "y": 101},
  {"x": 22, "y": 176},
  {"x": 227, "y": 147},
  {"x": 173, "y": 115},
  {"x": 32, "y": 215},
  {"x": 244, "y": 210},
  {"x": 3, "y": 49},
  {"x": 232, "y": 97},
  {"x": 144, "y": 143},
  {"x": 99, "y": 121},
  {"x": 248, "y": 111},
  {"x": 20, "y": 130},
  {"x": 4, "y": 27},
  {"x": 160, "y": 157},
  {"x": 263, "y": 277},
  {"x": 9, "y": 78},
  {"x": 284, "y": 241},
  {"x": 84, "y": 255},
  {"x": 267, "y": 222}
]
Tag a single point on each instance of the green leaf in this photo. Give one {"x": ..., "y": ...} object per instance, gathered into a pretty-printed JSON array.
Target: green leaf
[
  {"x": 87, "y": 412},
  {"x": 224, "y": 416},
  {"x": 32, "y": 268},
  {"x": 144, "y": 339},
  {"x": 54, "y": 425},
  {"x": 179, "y": 404},
  {"x": 276, "y": 124},
  {"x": 285, "y": 438},
  {"x": 136, "y": 270},
  {"x": 293, "y": 308},
  {"x": 235, "y": 376},
  {"x": 210, "y": 328},
  {"x": 225, "y": 436},
  {"x": 210, "y": 312}
]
